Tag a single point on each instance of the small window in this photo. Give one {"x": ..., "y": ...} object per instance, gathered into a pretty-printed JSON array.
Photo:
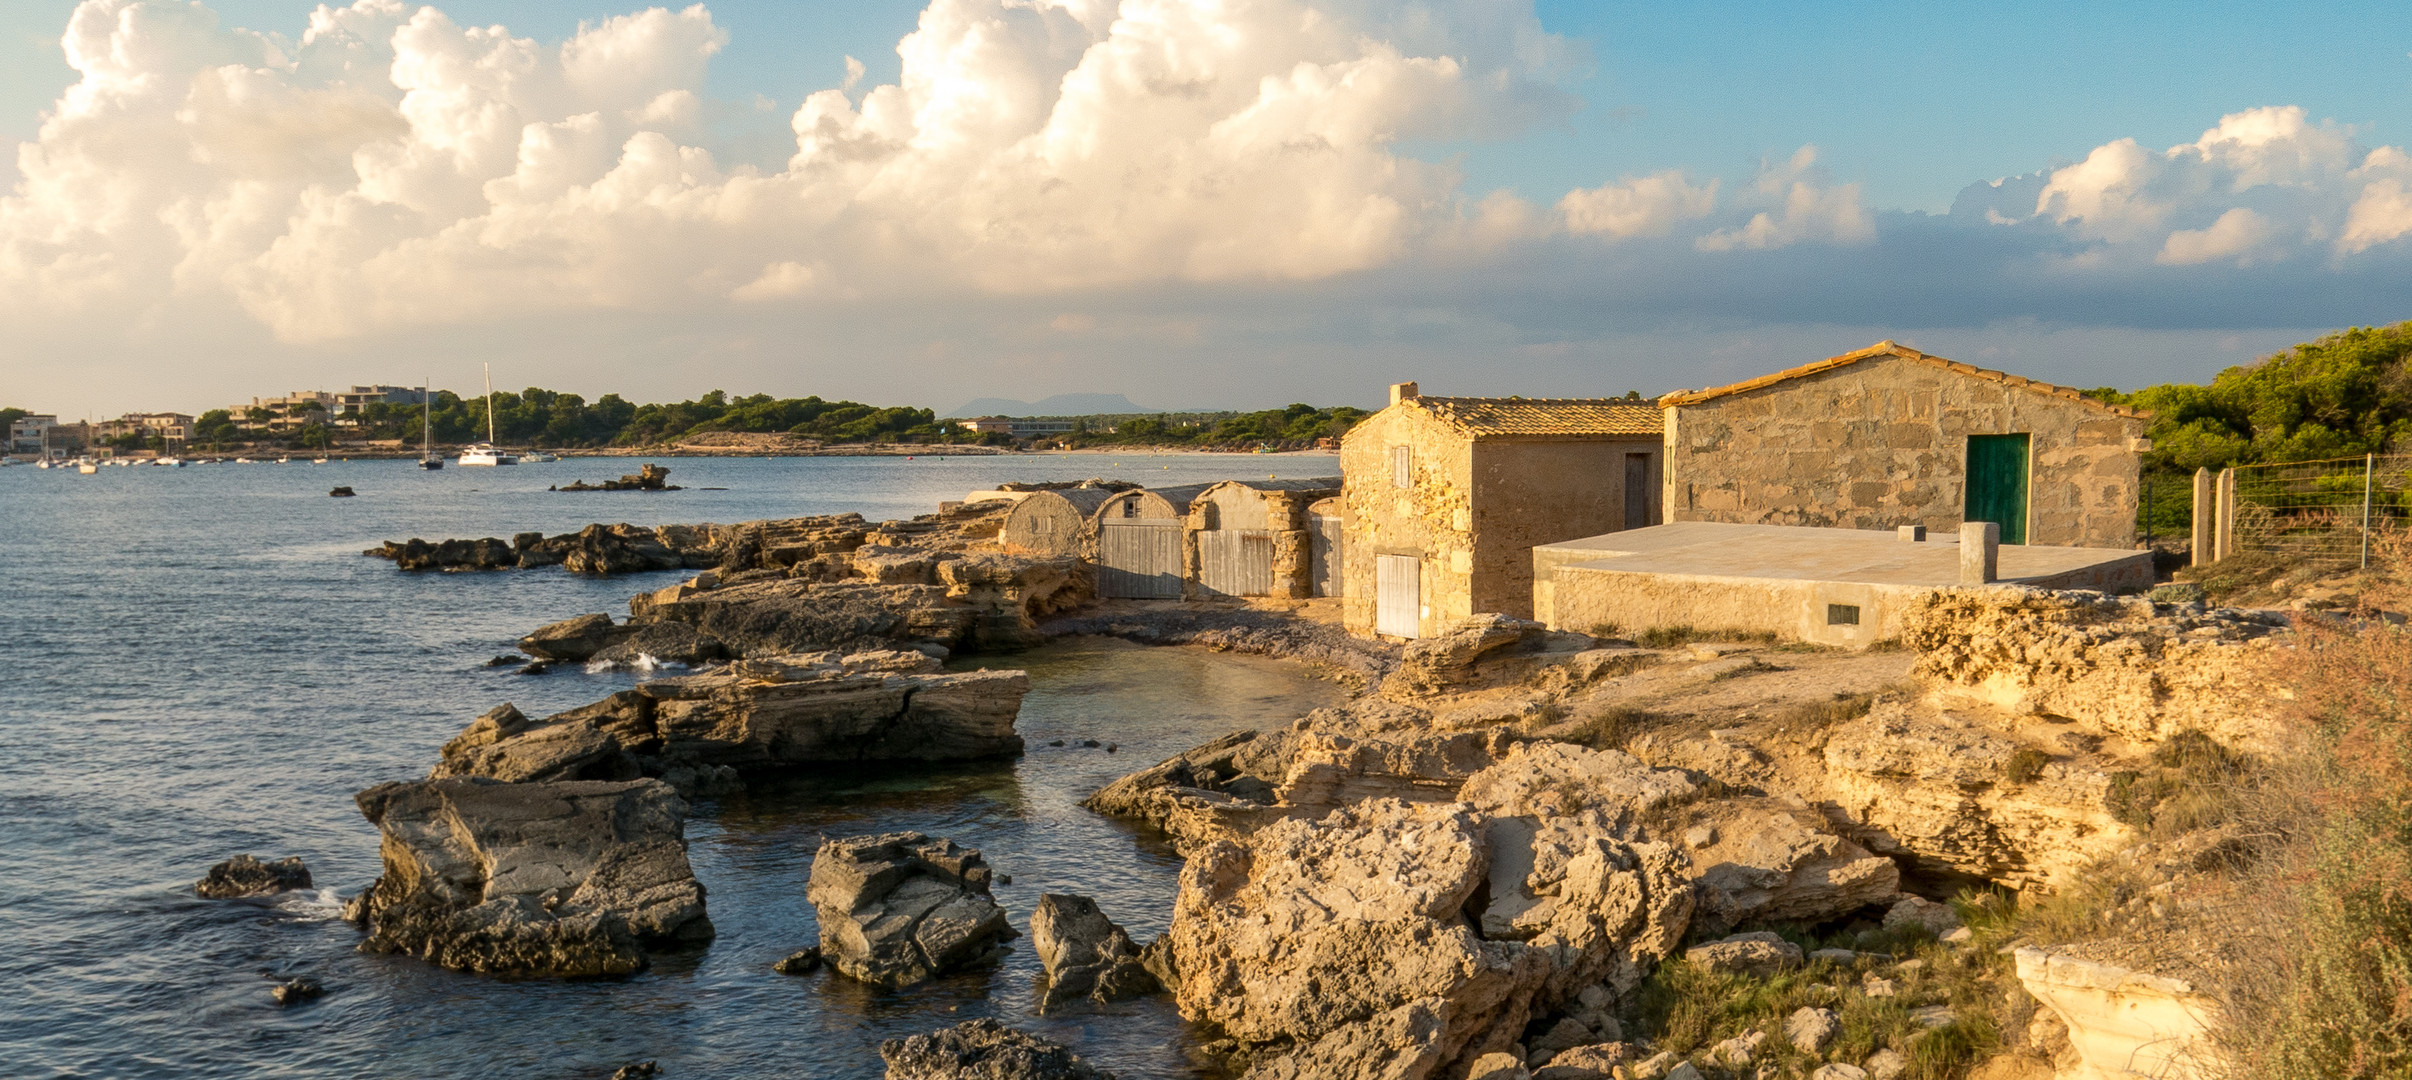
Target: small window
[
  {"x": 1130, "y": 508},
  {"x": 1842, "y": 614},
  {"x": 1402, "y": 473}
]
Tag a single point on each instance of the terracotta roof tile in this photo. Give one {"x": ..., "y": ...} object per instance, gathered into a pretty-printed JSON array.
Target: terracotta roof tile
[
  {"x": 1571, "y": 417},
  {"x": 1888, "y": 348}
]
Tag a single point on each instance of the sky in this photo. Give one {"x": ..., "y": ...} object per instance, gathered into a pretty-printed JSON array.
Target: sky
[{"x": 1196, "y": 203}]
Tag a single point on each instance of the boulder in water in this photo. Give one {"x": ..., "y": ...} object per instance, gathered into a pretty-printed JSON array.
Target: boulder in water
[
  {"x": 1084, "y": 953},
  {"x": 577, "y": 638},
  {"x": 247, "y": 876},
  {"x": 983, "y": 1050},
  {"x": 901, "y": 908},
  {"x": 541, "y": 879}
]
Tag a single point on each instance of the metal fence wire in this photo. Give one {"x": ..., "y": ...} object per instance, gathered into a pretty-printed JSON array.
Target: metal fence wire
[{"x": 2322, "y": 511}]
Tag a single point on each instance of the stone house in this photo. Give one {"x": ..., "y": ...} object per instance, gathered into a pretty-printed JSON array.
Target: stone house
[
  {"x": 1444, "y": 499},
  {"x": 1139, "y": 542},
  {"x": 1890, "y": 436}
]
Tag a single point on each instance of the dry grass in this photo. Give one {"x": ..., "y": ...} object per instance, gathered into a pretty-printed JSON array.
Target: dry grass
[
  {"x": 1608, "y": 729},
  {"x": 1838, "y": 709},
  {"x": 2321, "y": 982}
]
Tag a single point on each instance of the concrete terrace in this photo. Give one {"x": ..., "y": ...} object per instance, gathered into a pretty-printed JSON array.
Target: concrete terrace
[{"x": 1837, "y": 586}]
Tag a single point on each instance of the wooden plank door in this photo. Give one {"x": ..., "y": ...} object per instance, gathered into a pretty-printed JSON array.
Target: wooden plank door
[
  {"x": 1139, "y": 561},
  {"x": 1637, "y": 491},
  {"x": 1399, "y": 595},
  {"x": 1236, "y": 562},
  {"x": 1323, "y": 554},
  {"x": 1997, "y": 483}
]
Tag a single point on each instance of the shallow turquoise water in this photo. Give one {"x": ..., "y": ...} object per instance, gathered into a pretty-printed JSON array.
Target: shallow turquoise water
[{"x": 200, "y": 663}]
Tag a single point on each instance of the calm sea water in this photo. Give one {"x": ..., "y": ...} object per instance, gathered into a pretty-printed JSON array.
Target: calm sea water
[{"x": 198, "y": 662}]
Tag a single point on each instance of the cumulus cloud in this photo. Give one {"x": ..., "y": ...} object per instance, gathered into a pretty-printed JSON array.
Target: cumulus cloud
[
  {"x": 392, "y": 168},
  {"x": 2266, "y": 184},
  {"x": 1804, "y": 205},
  {"x": 1646, "y": 206}
]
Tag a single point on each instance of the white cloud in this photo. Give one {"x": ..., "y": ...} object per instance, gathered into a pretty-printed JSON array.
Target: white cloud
[
  {"x": 2234, "y": 236},
  {"x": 1645, "y": 206},
  {"x": 2265, "y": 184},
  {"x": 392, "y": 168},
  {"x": 1802, "y": 207}
]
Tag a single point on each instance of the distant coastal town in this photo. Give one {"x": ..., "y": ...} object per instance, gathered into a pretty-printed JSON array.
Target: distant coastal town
[{"x": 390, "y": 421}]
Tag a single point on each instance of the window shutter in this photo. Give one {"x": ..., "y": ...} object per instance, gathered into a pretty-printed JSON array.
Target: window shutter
[{"x": 1401, "y": 472}]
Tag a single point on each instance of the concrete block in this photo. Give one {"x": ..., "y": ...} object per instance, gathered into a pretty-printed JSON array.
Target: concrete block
[
  {"x": 1980, "y": 552},
  {"x": 1912, "y": 533}
]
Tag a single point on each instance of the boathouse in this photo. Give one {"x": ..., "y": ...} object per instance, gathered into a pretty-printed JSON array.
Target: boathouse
[
  {"x": 1890, "y": 436},
  {"x": 1445, "y": 498},
  {"x": 1250, "y": 537},
  {"x": 1054, "y": 522},
  {"x": 1139, "y": 542}
]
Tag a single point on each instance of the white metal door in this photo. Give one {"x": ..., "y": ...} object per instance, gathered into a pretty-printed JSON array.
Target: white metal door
[{"x": 1399, "y": 595}]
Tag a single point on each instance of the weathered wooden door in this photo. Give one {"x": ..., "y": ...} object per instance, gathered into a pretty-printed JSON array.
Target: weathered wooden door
[
  {"x": 1323, "y": 554},
  {"x": 1398, "y": 595},
  {"x": 1997, "y": 483},
  {"x": 1637, "y": 491},
  {"x": 1140, "y": 561},
  {"x": 1236, "y": 562}
]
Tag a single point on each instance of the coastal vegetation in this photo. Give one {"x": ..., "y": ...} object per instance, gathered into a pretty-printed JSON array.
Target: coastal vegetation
[
  {"x": 548, "y": 418},
  {"x": 2343, "y": 395}
]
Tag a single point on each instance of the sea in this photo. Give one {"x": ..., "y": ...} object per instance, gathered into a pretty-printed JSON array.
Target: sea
[{"x": 199, "y": 662}]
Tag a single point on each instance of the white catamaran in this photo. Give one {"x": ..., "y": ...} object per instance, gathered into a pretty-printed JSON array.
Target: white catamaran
[{"x": 486, "y": 453}]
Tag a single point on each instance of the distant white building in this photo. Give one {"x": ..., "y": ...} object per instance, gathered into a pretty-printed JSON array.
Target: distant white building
[
  {"x": 30, "y": 434},
  {"x": 360, "y": 398},
  {"x": 1016, "y": 427}
]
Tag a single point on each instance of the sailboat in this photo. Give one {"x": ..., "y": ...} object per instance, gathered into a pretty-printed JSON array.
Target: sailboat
[
  {"x": 486, "y": 453},
  {"x": 428, "y": 459}
]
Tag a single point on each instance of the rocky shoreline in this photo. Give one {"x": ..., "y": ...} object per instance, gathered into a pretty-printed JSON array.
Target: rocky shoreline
[{"x": 1498, "y": 859}]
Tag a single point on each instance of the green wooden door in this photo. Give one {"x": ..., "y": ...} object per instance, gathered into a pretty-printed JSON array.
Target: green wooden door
[{"x": 1997, "y": 483}]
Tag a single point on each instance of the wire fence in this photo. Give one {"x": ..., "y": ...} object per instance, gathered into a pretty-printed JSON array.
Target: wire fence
[{"x": 2321, "y": 511}]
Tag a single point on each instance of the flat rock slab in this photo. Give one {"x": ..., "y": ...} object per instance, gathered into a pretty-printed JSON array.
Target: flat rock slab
[{"x": 984, "y": 1050}]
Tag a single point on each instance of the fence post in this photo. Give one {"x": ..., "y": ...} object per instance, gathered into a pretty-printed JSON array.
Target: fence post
[
  {"x": 2223, "y": 538},
  {"x": 2200, "y": 552},
  {"x": 2369, "y": 465}
]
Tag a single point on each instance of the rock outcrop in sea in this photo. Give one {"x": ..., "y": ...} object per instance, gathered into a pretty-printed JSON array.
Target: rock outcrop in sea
[
  {"x": 983, "y": 1050},
  {"x": 702, "y": 732},
  {"x": 901, "y": 908},
  {"x": 564, "y": 879},
  {"x": 1084, "y": 954},
  {"x": 244, "y": 875}
]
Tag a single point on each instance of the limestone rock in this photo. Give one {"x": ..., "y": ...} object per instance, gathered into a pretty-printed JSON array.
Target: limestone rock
[
  {"x": 297, "y": 990},
  {"x": 244, "y": 875},
  {"x": 1758, "y": 954},
  {"x": 1936, "y": 919},
  {"x": 1887, "y": 1064},
  {"x": 697, "y": 731},
  {"x": 1810, "y": 1028},
  {"x": 576, "y": 639},
  {"x": 1598, "y": 1058},
  {"x": 2120, "y": 1022},
  {"x": 669, "y": 643},
  {"x": 1497, "y": 1066},
  {"x": 1448, "y": 657},
  {"x": 782, "y": 616},
  {"x": 1839, "y": 1071},
  {"x": 800, "y": 962},
  {"x": 1348, "y": 929},
  {"x": 2114, "y": 666},
  {"x": 901, "y": 908},
  {"x": 1736, "y": 1052},
  {"x": 547, "y": 879},
  {"x": 1084, "y": 953},
  {"x": 1768, "y": 861},
  {"x": 983, "y": 1050},
  {"x": 1552, "y": 779}
]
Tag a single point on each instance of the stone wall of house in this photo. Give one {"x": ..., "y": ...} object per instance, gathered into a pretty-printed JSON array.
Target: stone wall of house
[
  {"x": 1884, "y": 442},
  {"x": 1533, "y": 492},
  {"x": 1432, "y": 519}
]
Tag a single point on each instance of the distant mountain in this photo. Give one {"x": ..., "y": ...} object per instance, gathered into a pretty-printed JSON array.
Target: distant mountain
[{"x": 1059, "y": 405}]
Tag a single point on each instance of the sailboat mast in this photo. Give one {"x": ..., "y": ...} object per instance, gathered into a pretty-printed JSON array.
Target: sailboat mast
[
  {"x": 489, "y": 404},
  {"x": 426, "y": 421}
]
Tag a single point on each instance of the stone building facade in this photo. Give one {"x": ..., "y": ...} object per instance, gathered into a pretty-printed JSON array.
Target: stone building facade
[
  {"x": 1251, "y": 538},
  {"x": 1443, "y": 500},
  {"x": 1889, "y": 436}
]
